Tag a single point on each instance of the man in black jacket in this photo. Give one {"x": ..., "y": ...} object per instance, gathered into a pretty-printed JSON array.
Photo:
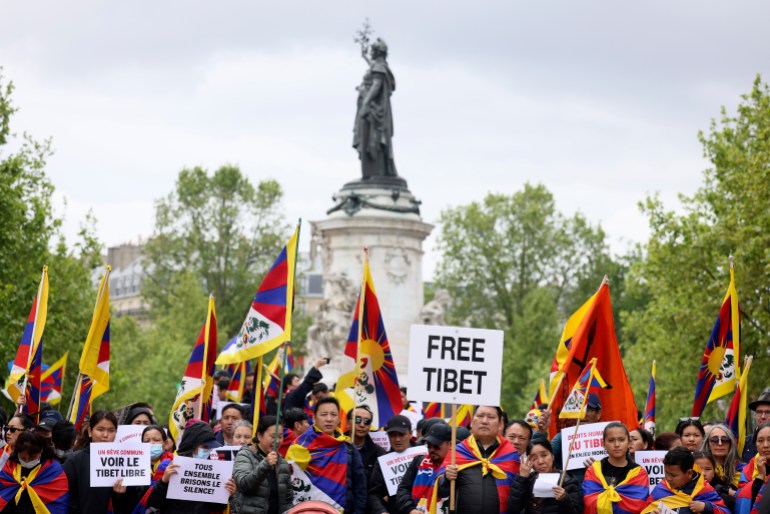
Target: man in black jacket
[
  {"x": 295, "y": 394},
  {"x": 417, "y": 482},
  {"x": 399, "y": 430},
  {"x": 369, "y": 450}
]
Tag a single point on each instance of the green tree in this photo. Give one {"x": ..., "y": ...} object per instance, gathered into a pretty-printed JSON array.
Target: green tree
[
  {"x": 222, "y": 229},
  {"x": 685, "y": 270},
  {"x": 515, "y": 263}
]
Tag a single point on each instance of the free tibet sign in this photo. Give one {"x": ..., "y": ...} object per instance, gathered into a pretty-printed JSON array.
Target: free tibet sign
[{"x": 455, "y": 365}]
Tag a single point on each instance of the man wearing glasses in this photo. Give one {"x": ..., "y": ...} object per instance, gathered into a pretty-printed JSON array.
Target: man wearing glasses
[
  {"x": 369, "y": 450},
  {"x": 761, "y": 408},
  {"x": 416, "y": 487}
]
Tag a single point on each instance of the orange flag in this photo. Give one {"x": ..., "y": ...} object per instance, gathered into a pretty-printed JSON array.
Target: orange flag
[{"x": 595, "y": 338}]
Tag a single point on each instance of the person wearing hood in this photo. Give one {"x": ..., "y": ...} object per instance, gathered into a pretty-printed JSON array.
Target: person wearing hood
[
  {"x": 140, "y": 416},
  {"x": 197, "y": 442}
]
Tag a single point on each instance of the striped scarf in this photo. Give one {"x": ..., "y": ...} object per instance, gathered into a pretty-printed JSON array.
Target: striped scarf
[
  {"x": 675, "y": 498},
  {"x": 627, "y": 497},
  {"x": 422, "y": 487},
  {"x": 46, "y": 486}
]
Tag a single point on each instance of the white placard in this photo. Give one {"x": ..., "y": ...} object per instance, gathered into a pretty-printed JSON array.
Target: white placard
[
  {"x": 129, "y": 433},
  {"x": 225, "y": 452},
  {"x": 414, "y": 418},
  {"x": 455, "y": 365},
  {"x": 544, "y": 484},
  {"x": 381, "y": 439},
  {"x": 200, "y": 480},
  {"x": 393, "y": 466},
  {"x": 111, "y": 462},
  {"x": 652, "y": 462},
  {"x": 587, "y": 444},
  {"x": 662, "y": 509}
]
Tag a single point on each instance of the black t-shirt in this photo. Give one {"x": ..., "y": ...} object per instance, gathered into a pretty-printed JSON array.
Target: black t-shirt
[{"x": 615, "y": 475}]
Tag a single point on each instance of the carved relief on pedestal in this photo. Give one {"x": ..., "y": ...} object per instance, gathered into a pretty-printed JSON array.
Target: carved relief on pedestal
[
  {"x": 397, "y": 265},
  {"x": 327, "y": 335}
]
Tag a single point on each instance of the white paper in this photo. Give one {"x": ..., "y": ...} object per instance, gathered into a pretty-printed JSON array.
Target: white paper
[
  {"x": 380, "y": 438},
  {"x": 662, "y": 509},
  {"x": 544, "y": 484},
  {"x": 129, "y": 433},
  {"x": 393, "y": 466},
  {"x": 588, "y": 443},
  {"x": 200, "y": 480},
  {"x": 111, "y": 462}
]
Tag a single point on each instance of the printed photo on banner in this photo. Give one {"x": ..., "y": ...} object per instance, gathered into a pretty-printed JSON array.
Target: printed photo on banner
[
  {"x": 111, "y": 462},
  {"x": 588, "y": 443},
  {"x": 200, "y": 480}
]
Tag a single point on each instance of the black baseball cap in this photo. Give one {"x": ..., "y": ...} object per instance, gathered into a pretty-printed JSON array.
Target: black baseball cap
[
  {"x": 439, "y": 433},
  {"x": 399, "y": 423},
  {"x": 46, "y": 425}
]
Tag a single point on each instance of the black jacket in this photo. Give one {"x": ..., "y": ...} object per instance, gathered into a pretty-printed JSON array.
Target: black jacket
[
  {"x": 370, "y": 452},
  {"x": 379, "y": 499},
  {"x": 476, "y": 493},
  {"x": 404, "y": 502},
  {"x": 296, "y": 398},
  {"x": 521, "y": 500},
  {"x": 159, "y": 501},
  {"x": 87, "y": 500}
]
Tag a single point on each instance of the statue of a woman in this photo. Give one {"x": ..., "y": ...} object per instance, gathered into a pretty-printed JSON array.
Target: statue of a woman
[{"x": 373, "y": 131}]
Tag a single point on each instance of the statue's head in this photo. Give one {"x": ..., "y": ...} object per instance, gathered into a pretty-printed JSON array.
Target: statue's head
[{"x": 379, "y": 49}]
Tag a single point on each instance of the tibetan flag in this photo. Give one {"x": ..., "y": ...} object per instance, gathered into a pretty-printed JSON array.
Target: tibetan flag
[
  {"x": 46, "y": 485},
  {"x": 193, "y": 399},
  {"x": 736, "y": 413},
  {"x": 565, "y": 343},
  {"x": 627, "y": 497},
  {"x": 368, "y": 374},
  {"x": 94, "y": 375},
  {"x": 464, "y": 415},
  {"x": 319, "y": 465},
  {"x": 436, "y": 410},
  {"x": 234, "y": 391},
  {"x": 34, "y": 384},
  {"x": 268, "y": 323},
  {"x": 648, "y": 422},
  {"x": 53, "y": 380},
  {"x": 30, "y": 339},
  {"x": 541, "y": 396},
  {"x": 589, "y": 381},
  {"x": 720, "y": 363},
  {"x": 675, "y": 499},
  {"x": 273, "y": 378},
  {"x": 595, "y": 337},
  {"x": 258, "y": 395}
]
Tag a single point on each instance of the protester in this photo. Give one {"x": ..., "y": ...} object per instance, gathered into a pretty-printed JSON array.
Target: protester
[
  {"x": 667, "y": 440},
  {"x": 519, "y": 433},
  {"x": 399, "y": 430},
  {"x": 45, "y": 427},
  {"x": 262, "y": 477},
  {"x": 720, "y": 444},
  {"x": 232, "y": 413},
  {"x": 169, "y": 444},
  {"x": 84, "y": 499},
  {"x": 63, "y": 437},
  {"x": 296, "y": 391},
  {"x": 32, "y": 480},
  {"x": 707, "y": 466},
  {"x": 17, "y": 424},
  {"x": 156, "y": 436},
  {"x": 369, "y": 450},
  {"x": 415, "y": 491},
  {"x": 754, "y": 474},
  {"x": 639, "y": 440},
  {"x": 197, "y": 442},
  {"x": 761, "y": 409},
  {"x": 615, "y": 480},
  {"x": 568, "y": 497},
  {"x": 248, "y": 388},
  {"x": 486, "y": 466},
  {"x": 140, "y": 416},
  {"x": 683, "y": 487},
  {"x": 296, "y": 420},
  {"x": 242, "y": 433},
  {"x": 691, "y": 433}
]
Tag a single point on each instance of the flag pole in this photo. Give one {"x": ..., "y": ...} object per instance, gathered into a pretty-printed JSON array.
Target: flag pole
[
  {"x": 453, "y": 483},
  {"x": 569, "y": 454},
  {"x": 19, "y": 408}
]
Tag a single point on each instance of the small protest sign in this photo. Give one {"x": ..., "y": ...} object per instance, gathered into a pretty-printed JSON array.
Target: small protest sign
[
  {"x": 544, "y": 484},
  {"x": 455, "y": 365},
  {"x": 414, "y": 417},
  {"x": 652, "y": 462},
  {"x": 129, "y": 434},
  {"x": 380, "y": 438},
  {"x": 200, "y": 480},
  {"x": 111, "y": 462},
  {"x": 393, "y": 466},
  {"x": 588, "y": 443}
]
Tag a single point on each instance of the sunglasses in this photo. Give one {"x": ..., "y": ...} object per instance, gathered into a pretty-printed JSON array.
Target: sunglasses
[
  {"x": 365, "y": 421},
  {"x": 691, "y": 418},
  {"x": 13, "y": 430},
  {"x": 719, "y": 439}
]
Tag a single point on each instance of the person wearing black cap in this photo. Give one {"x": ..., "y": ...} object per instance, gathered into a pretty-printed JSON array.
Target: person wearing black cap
[
  {"x": 761, "y": 409},
  {"x": 399, "y": 430},
  {"x": 414, "y": 492},
  {"x": 197, "y": 441}
]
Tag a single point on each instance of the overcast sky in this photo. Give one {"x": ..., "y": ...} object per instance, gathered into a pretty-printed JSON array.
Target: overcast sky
[{"x": 599, "y": 101}]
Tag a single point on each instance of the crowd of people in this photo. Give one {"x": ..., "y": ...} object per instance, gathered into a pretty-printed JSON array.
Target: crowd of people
[{"x": 497, "y": 465}]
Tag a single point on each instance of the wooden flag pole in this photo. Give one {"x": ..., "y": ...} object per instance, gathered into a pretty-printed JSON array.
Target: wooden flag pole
[
  {"x": 569, "y": 454},
  {"x": 452, "y": 483}
]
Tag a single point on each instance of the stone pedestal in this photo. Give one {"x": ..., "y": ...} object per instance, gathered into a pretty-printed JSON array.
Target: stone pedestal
[{"x": 384, "y": 218}]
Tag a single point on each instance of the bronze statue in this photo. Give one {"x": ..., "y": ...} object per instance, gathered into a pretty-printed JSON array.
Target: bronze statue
[{"x": 373, "y": 130}]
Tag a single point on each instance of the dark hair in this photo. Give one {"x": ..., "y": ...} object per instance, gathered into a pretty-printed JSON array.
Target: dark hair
[
  {"x": 85, "y": 439},
  {"x": 665, "y": 440},
  {"x": 294, "y": 415},
  {"x": 170, "y": 437},
  {"x": 703, "y": 455},
  {"x": 155, "y": 427},
  {"x": 27, "y": 421},
  {"x": 266, "y": 422},
  {"x": 540, "y": 442},
  {"x": 320, "y": 387},
  {"x": 63, "y": 435},
  {"x": 646, "y": 437},
  {"x": 521, "y": 423},
  {"x": 689, "y": 422},
  {"x": 500, "y": 412},
  {"x": 679, "y": 456},
  {"x": 615, "y": 424},
  {"x": 324, "y": 401},
  {"x": 760, "y": 427},
  {"x": 403, "y": 389},
  {"x": 33, "y": 442},
  {"x": 288, "y": 378},
  {"x": 231, "y": 406}
]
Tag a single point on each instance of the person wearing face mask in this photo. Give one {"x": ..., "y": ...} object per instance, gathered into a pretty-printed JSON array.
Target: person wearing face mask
[
  {"x": 155, "y": 436},
  {"x": 16, "y": 425},
  {"x": 538, "y": 458},
  {"x": 63, "y": 437},
  {"x": 33, "y": 480},
  {"x": 197, "y": 442}
]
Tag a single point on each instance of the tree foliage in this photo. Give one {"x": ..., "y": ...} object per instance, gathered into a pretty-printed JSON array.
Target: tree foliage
[{"x": 685, "y": 269}]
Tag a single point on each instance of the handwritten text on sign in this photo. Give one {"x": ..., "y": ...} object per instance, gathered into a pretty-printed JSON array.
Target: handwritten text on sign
[
  {"x": 393, "y": 466},
  {"x": 588, "y": 443},
  {"x": 455, "y": 364},
  {"x": 200, "y": 480},
  {"x": 652, "y": 462},
  {"x": 111, "y": 462}
]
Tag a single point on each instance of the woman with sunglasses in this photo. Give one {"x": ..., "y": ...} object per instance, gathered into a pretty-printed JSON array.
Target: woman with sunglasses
[
  {"x": 720, "y": 444},
  {"x": 691, "y": 433},
  {"x": 16, "y": 425}
]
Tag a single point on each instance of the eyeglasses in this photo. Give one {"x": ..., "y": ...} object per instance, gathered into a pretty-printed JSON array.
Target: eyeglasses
[
  {"x": 691, "y": 418},
  {"x": 762, "y": 413},
  {"x": 719, "y": 439},
  {"x": 365, "y": 421},
  {"x": 13, "y": 430}
]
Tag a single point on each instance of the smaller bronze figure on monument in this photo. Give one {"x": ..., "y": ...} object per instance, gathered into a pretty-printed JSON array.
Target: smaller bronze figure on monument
[{"x": 373, "y": 130}]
